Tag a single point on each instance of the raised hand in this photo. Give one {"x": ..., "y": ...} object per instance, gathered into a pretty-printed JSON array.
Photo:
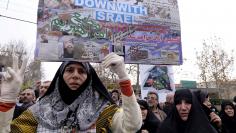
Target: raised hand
[
  {"x": 12, "y": 81},
  {"x": 116, "y": 65}
]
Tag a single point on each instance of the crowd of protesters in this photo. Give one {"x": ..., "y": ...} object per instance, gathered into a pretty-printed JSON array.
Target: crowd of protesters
[
  {"x": 77, "y": 101},
  {"x": 188, "y": 111}
]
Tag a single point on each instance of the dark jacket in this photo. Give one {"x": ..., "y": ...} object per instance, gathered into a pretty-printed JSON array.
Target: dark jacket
[{"x": 19, "y": 109}]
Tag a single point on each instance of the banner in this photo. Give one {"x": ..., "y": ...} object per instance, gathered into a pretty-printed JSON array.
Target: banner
[
  {"x": 156, "y": 78},
  {"x": 143, "y": 31}
]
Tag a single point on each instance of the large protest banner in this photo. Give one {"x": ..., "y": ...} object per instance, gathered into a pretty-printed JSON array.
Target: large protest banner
[
  {"x": 155, "y": 78},
  {"x": 143, "y": 31}
]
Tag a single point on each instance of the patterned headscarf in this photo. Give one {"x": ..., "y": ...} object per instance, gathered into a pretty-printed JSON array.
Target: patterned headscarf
[{"x": 62, "y": 107}]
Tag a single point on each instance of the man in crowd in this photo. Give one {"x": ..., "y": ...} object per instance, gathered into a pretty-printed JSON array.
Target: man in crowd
[
  {"x": 169, "y": 103},
  {"x": 153, "y": 102},
  {"x": 27, "y": 99},
  {"x": 44, "y": 87}
]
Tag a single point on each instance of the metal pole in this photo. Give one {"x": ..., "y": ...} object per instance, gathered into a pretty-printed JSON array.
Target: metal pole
[{"x": 7, "y": 4}]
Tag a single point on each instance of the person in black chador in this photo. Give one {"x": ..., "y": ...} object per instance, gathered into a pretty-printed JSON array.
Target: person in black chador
[
  {"x": 209, "y": 109},
  {"x": 187, "y": 116},
  {"x": 228, "y": 116},
  {"x": 150, "y": 122}
]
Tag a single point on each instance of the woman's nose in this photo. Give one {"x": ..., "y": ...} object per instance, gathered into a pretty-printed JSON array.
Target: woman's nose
[
  {"x": 75, "y": 74},
  {"x": 183, "y": 106}
]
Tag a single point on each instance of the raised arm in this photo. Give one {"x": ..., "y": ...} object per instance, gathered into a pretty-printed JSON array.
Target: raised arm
[
  {"x": 9, "y": 89},
  {"x": 128, "y": 119}
]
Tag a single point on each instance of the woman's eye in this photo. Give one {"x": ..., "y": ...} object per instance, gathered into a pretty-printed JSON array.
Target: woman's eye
[
  {"x": 69, "y": 70},
  {"x": 81, "y": 71}
]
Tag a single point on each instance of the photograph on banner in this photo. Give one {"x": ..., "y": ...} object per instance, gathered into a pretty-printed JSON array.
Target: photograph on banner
[
  {"x": 157, "y": 78},
  {"x": 143, "y": 32}
]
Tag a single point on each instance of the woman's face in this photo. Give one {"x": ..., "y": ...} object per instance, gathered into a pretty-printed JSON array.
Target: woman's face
[
  {"x": 144, "y": 112},
  {"x": 229, "y": 110},
  {"x": 74, "y": 76},
  {"x": 183, "y": 109},
  {"x": 207, "y": 102}
]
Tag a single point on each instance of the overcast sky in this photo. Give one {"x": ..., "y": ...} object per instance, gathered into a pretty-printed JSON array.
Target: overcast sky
[{"x": 200, "y": 19}]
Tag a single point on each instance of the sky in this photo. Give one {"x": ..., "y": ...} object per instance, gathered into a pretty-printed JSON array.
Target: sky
[{"x": 200, "y": 20}]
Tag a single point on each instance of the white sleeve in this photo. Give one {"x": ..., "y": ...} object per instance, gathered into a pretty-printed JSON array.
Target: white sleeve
[
  {"x": 128, "y": 119},
  {"x": 5, "y": 120}
]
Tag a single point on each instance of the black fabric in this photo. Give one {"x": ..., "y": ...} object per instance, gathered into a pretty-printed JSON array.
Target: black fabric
[
  {"x": 36, "y": 92},
  {"x": 144, "y": 104},
  {"x": 229, "y": 123},
  {"x": 197, "y": 121},
  {"x": 182, "y": 95},
  {"x": 19, "y": 109},
  {"x": 151, "y": 123},
  {"x": 68, "y": 95},
  {"x": 201, "y": 97}
]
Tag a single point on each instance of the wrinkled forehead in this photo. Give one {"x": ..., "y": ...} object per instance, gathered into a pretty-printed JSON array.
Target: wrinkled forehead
[
  {"x": 28, "y": 91},
  {"x": 47, "y": 83},
  {"x": 77, "y": 66},
  {"x": 152, "y": 95}
]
